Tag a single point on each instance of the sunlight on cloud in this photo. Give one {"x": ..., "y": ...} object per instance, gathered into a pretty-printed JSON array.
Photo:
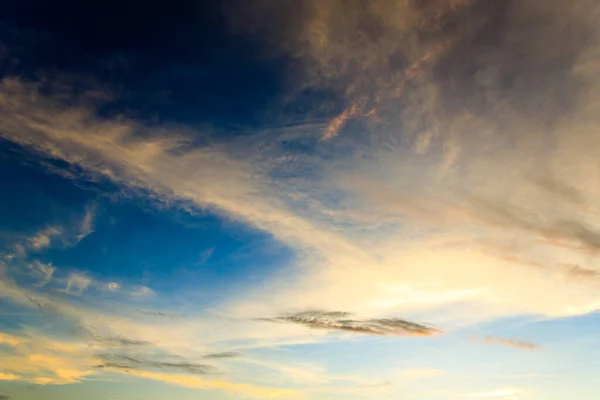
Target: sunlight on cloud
[
  {"x": 247, "y": 391},
  {"x": 45, "y": 361},
  {"x": 421, "y": 373},
  {"x": 459, "y": 175},
  {"x": 345, "y": 268}
]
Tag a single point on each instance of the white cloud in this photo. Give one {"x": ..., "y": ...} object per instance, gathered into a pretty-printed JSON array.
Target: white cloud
[
  {"x": 77, "y": 283},
  {"x": 342, "y": 270},
  {"x": 421, "y": 373},
  {"x": 507, "y": 394},
  {"x": 42, "y": 239},
  {"x": 87, "y": 222}
]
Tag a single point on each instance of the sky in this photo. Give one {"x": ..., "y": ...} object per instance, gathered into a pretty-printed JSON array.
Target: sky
[{"x": 314, "y": 199}]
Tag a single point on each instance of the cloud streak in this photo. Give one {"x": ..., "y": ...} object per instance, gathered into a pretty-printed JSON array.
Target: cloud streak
[
  {"x": 134, "y": 362},
  {"x": 343, "y": 322},
  {"x": 517, "y": 344}
]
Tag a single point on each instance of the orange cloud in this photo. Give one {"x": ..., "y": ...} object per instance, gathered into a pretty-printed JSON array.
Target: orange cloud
[
  {"x": 8, "y": 377},
  {"x": 10, "y": 339},
  {"x": 517, "y": 344},
  {"x": 199, "y": 383}
]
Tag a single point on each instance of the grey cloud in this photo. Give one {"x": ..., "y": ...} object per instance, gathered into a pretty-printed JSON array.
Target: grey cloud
[
  {"x": 342, "y": 321},
  {"x": 503, "y": 214},
  {"x": 5, "y": 397},
  {"x": 44, "y": 305},
  {"x": 560, "y": 189},
  {"x": 134, "y": 362},
  {"x": 225, "y": 354},
  {"x": 118, "y": 342},
  {"x": 162, "y": 314},
  {"x": 578, "y": 272}
]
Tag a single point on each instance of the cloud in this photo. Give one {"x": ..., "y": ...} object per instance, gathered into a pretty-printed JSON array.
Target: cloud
[
  {"x": 508, "y": 394},
  {"x": 245, "y": 390},
  {"x": 141, "y": 291},
  {"x": 42, "y": 239},
  {"x": 375, "y": 385},
  {"x": 517, "y": 344},
  {"x": 113, "y": 286},
  {"x": 8, "y": 377},
  {"x": 225, "y": 354},
  {"x": 5, "y": 397},
  {"x": 162, "y": 314},
  {"x": 457, "y": 127},
  {"x": 342, "y": 321},
  {"x": 10, "y": 339},
  {"x": 205, "y": 256},
  {"x": 41, "y": 360},
  {"x": 118, "y": 341},
  {"x": 67, "y": 236},
  {"x": 421, "y": 373},
  {"x": 77, "y": 283},
  {"x": 134, "y": 362},
  {"x": 87, "y": 222},
  {"x": 43, "y": 271}
]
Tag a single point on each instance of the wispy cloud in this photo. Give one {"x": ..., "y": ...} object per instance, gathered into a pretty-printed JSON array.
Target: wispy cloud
[
  {"x": 162, "y": 314},
  {"x": 41, "y": 360},
  {"x": 517, "y": 344},
  {"x": 240, "y": 389},
  {"x": 87, "y": 222},
  {"x": 421, "y": 373},
  {"x": 42, "y": 239},
  {"x": 10, "y": 339},
  {"x": 43, "y": 271},
  {"x": 77, "y": 283},
  {"x": 343, "y": 321},
  {"x": 374, "y": 385},
  {"x": 225, "y": 354},
  {"x": 508, "y": 394},
  {"x": 65, "y": 236},
  {"x": 205, "y": 256},
  {"x": 133, "y": 362},
  {"x": 456, "y": 122}
]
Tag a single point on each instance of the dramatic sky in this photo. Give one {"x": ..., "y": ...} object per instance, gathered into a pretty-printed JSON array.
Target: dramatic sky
[{"x": 303, "y": 199}]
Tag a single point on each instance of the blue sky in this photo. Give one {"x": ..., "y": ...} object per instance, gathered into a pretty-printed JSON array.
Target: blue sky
[{"x": 299, "y": 200}]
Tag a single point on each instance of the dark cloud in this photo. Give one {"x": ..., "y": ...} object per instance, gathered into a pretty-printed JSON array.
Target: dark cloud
[
  {"x": 135, "y": 362},
  {"x": 5, "y": 397},
  {"x": 342, "y": 321},
  {"x": 225, "y": 354}
]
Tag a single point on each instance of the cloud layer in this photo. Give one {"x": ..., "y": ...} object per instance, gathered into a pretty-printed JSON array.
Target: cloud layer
[{"x": 452, "y": 180}]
